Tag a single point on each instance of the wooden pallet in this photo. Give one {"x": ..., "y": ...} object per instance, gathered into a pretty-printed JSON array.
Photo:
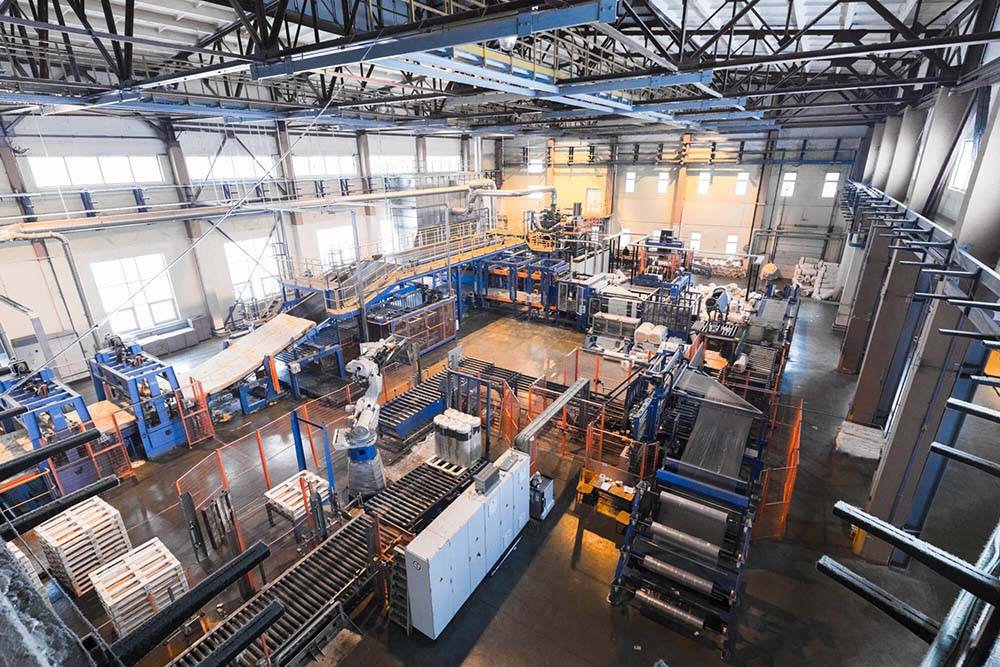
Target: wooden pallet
[
  {"x": 138, "y": 584},
  {"x": 28, "y": 570},
  {"x": 286, "y": 498},
  {"x": 80, "y": 540}
]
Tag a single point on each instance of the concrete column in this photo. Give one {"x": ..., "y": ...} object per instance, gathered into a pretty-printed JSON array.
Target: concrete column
[
  {"x": 977, "y": 230},
  {"x": 298, "y": 246},
  {"x": 550, "y": 159},
  {"x": 763, "y": 187},
  {"x": 365, "y": 172},
  {"x": 466, "y": 151},
  {"x": 498, "y": 161},
  {"x": 610, "y": 178},
  {"x": 944, "y": 127},
  {"x": 861, "y": 157},
  {"x": 680, "y": 187},
  {"x": 195, "y": 229},
  {"x": 421, "y": 144},
  {"x": 926, "y": 389},
  {"x": 873, "y": 150},
  {"x": 934, "y": 369},
  {"x": 848, "y": 275},
  {"x": 867, "y": 293},
  {"x": 885, "y": 339},
  {"x": 905, "y": 155},
  {"x": 887, "y": 149}
]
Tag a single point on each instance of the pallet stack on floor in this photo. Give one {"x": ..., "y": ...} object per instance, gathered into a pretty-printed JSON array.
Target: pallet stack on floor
[
  {"x": 28, "y": 570},
  {"x": 135, "y": 586},
  {"x": 81, "y": 539}
]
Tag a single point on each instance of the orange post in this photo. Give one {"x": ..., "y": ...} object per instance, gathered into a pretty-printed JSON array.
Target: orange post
[
  {"x": 263, "y": 460},
  {"x": 222, "y": 470}
]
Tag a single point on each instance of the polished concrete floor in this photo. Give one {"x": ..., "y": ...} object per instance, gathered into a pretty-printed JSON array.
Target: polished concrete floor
[{"x": 546, "y": 603}]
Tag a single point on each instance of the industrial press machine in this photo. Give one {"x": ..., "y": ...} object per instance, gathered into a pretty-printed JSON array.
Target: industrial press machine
[{"x": 146, "y": 388}]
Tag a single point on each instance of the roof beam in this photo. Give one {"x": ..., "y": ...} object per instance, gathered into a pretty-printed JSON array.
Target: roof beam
[{"x": 521, "y": 23}]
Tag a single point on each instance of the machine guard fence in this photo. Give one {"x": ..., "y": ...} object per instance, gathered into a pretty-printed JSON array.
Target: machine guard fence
[
  {"x": 566, "y": 435},
  {"x": 778, "y": 479}
]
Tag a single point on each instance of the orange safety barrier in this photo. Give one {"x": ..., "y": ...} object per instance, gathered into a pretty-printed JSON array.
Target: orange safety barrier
[{"x": 778, "y": 481}]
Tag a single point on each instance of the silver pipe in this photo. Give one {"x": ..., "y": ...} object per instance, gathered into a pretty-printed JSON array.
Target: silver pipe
[
  {"x": 677, "y": 575},
  {"x": 667, "y": 609},
  {"x": 17, "y": 235},
  {"x": 684, "y": 540}
]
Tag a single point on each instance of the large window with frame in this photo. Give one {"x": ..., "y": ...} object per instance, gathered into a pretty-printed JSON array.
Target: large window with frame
[
  {"x": 336, "y": 245},
  {"x": 253, "y": 269},
  {"x": 629, "y": 181},
  {"x": 704, "y": 182},
  {"x": 742, "y": 183},
  {"x": 118, "y": 279},
  {"x": 788, "y": 184},
  {"x": 962, "y": 173},
  {"x": 830, "y": 182},
  {"x": 83, "y": 170}
]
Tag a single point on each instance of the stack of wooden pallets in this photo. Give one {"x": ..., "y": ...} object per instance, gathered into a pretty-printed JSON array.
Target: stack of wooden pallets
[
  {"x": 28, "y": 569},
  {"x": 135, "y": 586},
  {"x": 80, "y": 540},
  {"x": 287, "y": 498}
]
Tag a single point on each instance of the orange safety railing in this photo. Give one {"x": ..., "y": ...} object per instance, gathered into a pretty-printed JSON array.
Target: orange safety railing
[
  {"x": 244, "y": 469},
  {"x": 604, "y": 373},
  {"x": 778, "y": 480},
  {"x": 510, "y": 416},
  {"x": 565, "y": 435},
  {"x": 192, "y": 404}
]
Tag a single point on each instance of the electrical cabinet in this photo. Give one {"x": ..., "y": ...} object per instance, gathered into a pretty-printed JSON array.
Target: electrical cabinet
[{"x": 450, "y": 558}]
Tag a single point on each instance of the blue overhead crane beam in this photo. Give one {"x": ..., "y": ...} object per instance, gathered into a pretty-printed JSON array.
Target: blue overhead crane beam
[{"x": 520, "y": 24}]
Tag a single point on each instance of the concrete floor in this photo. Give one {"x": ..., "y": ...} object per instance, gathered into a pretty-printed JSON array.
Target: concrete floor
[{"x": 546, "y": 604}]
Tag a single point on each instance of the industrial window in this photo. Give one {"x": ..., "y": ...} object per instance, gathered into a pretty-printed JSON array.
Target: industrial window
[
  {"x": 83, "y": 170},
  {"x": 629, "y": 181},
  {"x": 393, "y": 165},
  {"x": 788, "y": 184},
  {"x": 118, "y": 279},
  {"x": 222, "y": 167},
  {"x": 963, "y": 168},
  {"x": 49, "y": 172},
  {"x": 329, "y": 165},
  {"x": 253, "y": 269},
  {"x": 704, "y": 181},
  {"x": 444, "y": 163},
  {"x": 830, "y": 182},
  {"x": 335, "y": 245},
  {"x": 732, "y": 244},
  {"x": 663, "y": 182},
  {"x": 115, "y": 169},
  {"x": 90, "y": 170},
  {"x": 535, "y": 165},
  {"x": 742, "y": 183},
  {"x": 695, "y": 243}
]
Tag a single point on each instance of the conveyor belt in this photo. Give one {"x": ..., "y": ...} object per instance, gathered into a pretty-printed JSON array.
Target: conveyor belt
[
  {"x": 409, "y": 415},
  {"x": 336, "y": 570}
]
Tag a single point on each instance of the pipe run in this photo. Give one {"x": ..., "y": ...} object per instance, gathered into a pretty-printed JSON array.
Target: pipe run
[{"x": 17, "y": 233}]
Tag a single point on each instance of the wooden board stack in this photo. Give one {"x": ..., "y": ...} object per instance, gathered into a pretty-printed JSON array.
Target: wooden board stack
[
  {"x": 80, "y": 540},
  {"x": 28, "y": 570},
  {"x": 287, "y": 498},
  {"x": 135, "y": 586}
]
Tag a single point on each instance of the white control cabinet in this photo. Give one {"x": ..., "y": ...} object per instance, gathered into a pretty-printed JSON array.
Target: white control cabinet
[{"x": 449, "y": 558}]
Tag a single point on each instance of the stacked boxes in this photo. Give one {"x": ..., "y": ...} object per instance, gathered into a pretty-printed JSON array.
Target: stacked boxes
[
  {"x": 449, "y": 558},
  {"x": 458, "y": 438},
  {"x": 81, "y": 539}
]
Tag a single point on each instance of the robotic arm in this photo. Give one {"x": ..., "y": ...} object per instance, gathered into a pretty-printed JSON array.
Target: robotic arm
[{"x": 365, "y": 466}]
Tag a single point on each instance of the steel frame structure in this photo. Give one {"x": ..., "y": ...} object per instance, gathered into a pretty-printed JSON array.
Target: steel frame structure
[{"x": 485, "y": 66}]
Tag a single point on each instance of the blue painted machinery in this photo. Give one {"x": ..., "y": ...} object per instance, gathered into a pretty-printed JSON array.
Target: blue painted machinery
[
  {"x": 142, "y": 384},
  {"x": 685, "y": 546},
  {"x": 51, "y": 411}
]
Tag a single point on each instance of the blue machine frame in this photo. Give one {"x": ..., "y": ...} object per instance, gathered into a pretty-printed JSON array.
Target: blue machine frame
[
  {"x": 146, "y": 386},
  {"x": 48, "y": 402}
]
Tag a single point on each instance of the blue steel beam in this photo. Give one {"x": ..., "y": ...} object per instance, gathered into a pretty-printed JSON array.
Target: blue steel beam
[
  {"x": 520, "y": 24},
  {"x": 692, "y": 78}
]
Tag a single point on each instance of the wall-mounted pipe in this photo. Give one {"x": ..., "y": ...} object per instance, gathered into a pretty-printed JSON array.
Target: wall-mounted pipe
[{"x": 16, "y": 233}]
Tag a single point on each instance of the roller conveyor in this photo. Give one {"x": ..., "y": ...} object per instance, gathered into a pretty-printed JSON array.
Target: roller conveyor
[{"x": 335, "y": 571}]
